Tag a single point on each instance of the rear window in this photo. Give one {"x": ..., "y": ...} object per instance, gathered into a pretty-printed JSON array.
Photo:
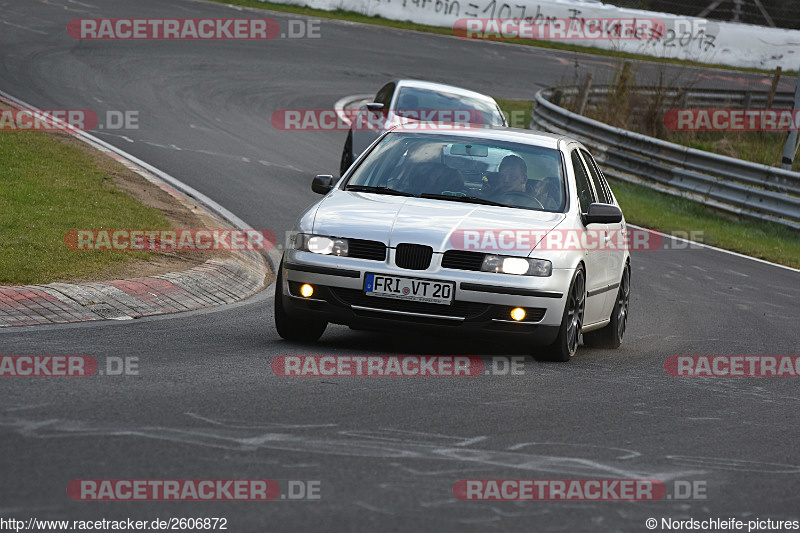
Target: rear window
[{"x": 411, "y": 100}]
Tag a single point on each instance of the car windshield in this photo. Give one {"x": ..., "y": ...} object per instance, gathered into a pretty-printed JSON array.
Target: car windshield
[
  {"x": 463, "y": 169},
  {"x": 412, "y": 101}
]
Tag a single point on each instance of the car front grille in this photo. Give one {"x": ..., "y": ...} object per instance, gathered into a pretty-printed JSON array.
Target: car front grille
[
  {"x": 462, "y": 260},
  {"x": 362, "y": 249},
  {"x": 460, "y": 309},
  {"x": 413, "y": 256}
]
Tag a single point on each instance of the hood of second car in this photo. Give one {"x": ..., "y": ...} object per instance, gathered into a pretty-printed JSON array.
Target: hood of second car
[{"x": 436, "y": 223}]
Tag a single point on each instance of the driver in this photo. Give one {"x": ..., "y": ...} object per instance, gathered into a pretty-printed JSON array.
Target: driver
[{"x": 512, "y": 176}]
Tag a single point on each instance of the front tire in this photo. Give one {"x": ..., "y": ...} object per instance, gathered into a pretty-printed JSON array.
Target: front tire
[
  {"x": 291, "y": 328},
  {"x": 566, "y": 344},
  {"x": 611, "y": 335}
]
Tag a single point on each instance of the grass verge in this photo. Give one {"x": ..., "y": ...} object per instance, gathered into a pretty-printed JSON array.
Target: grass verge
[
  {"x": 670, "y": 214},
  {"x": 351, "y": 16},
  {"x": 517, "y": 112},
  {"x": 48, "y": 187},
  {"x": 758, "y": 147}
]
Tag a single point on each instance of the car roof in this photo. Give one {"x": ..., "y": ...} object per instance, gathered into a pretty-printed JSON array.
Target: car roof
[
  {"x": 498, "y": 133},
  {"x": 432, "y": 86}
]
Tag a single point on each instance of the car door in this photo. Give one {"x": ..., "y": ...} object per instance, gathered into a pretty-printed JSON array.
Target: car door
[
  {"x": 614, "y": 252},
  {"x": 594, "y": 257},
  {"x": 366, "y": 132}
]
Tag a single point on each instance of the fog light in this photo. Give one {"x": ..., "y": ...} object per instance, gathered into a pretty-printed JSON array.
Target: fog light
[
  {"x": 307, "y": 290},
  {"x": 518, "y": 313}
]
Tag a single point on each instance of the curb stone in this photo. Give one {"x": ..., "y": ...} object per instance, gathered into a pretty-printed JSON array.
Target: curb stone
[{"x": 215, "y": 282}]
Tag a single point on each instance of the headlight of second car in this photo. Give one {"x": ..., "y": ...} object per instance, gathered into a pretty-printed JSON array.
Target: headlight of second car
[
  {"x": 521, "y": 266},
  {"x": 319, "y": 244}
]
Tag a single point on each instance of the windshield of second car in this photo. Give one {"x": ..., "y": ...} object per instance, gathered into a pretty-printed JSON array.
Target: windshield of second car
[
  {"x": 467, "y": 169},
  {"x": 413, "y": 102}
]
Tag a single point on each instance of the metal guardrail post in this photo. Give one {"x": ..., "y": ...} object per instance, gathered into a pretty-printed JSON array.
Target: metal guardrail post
[
  {"x": 774, "y": 88},
  {"x": 584, "y": 95}
]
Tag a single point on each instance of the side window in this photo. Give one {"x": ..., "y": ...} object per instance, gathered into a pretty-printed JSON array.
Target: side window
[
  {"x": 597, "y": 180},
  {"x": 585, "y": 196},
  {"x": 384, "y": 96}
]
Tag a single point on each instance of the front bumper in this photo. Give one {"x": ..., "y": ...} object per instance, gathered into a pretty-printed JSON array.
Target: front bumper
[{"x": 482, "y": 301}]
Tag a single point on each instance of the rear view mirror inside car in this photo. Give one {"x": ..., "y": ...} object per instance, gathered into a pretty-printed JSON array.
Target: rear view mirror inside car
[{"x": 473, "y": 150}]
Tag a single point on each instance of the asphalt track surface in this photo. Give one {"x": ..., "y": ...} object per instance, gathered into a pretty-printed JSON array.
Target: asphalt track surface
[{"x": 388, "y": 451}]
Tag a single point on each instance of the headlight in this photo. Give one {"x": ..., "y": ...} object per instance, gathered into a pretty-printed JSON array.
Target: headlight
[
  {"x": 521, "y": 266},
  {"x": 318, "y": 244}
]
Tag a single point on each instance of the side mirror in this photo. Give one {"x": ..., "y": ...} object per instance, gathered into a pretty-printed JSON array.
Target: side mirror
[
  {"x": 602, "y": 214},
  {"x": 374, "y": 106},
  {"x": 322, "y": 184}
]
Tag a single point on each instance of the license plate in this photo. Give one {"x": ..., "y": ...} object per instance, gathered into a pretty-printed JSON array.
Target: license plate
[{"x": 409, "y": 289}]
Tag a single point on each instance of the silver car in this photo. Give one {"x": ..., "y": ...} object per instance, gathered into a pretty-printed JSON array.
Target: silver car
[
  {"x": 403, "y": 101},
  {"x": 489, "y": 231}
]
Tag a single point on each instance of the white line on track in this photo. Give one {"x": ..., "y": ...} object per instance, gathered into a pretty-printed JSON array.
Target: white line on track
[{"x": 700, "y": 244}]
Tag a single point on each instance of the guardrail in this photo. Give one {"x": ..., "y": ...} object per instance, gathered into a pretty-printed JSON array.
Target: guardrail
[
  {"x": 697, "y": 98},
  {"x": 736, "y": 186}
]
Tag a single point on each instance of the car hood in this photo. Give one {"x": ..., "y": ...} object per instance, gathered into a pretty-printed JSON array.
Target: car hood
[{"x": 436, "y": 223}]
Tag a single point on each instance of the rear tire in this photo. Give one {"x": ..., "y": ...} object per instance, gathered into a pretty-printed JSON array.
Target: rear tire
[
  {"x": 347, "y": 154},
  {"x": 291, "y": 328},
  {"x": 611, "y": 335},
  {"x": 566, "y": 344}
]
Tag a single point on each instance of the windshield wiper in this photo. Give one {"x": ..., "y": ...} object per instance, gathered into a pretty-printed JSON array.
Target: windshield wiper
[
  {"x": 468, "y": 199},
  {"x": 378, "y": 189}
]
